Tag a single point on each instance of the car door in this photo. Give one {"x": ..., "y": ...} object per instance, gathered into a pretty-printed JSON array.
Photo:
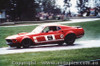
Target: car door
[{"x": 48, "y": 36}]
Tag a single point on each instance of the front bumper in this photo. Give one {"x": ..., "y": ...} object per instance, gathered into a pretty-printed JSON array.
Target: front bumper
[{"x": 11, "y": 43}]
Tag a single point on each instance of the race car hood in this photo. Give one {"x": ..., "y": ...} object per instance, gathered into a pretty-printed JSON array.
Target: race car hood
[
  {"x": 16, "y": 36},
  {"x": 19, "y": 35},
  {"x": 12, "y": 37},
  {"x": 22, "y": 33}
]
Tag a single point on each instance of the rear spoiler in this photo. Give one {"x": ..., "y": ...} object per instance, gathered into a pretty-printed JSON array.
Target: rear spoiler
[{"x": 77, "y": 26}]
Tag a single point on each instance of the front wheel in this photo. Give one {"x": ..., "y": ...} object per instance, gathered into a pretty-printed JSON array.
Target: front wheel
[
  {"x": 18, "y": 47},
  {"x": 26, "y": 43},
  {"x": 60, "y": 43},
  {"x": 70, "y": 39}
]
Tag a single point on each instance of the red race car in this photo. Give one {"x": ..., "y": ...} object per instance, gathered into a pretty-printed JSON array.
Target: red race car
[{"x": 46, "y": 34}]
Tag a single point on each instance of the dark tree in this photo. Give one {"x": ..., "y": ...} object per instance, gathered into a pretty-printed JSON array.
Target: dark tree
[
  {"x": 81, "y": 4},
  {"x": 3, "y": 4},
  {"x": 19, "y": 9},
  {"x": 48, "y": 6},
  {"x": 26, "y": 9},
  {"x": 67, "y": 5},
  {"x": 67, "y": 2},
  {"x": 97, "y": 7}
]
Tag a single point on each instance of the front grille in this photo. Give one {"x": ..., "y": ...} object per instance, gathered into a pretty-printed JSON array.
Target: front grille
[{"x": 8, "y": 40}]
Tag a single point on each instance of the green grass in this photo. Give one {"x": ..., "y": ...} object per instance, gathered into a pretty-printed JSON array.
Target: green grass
[{"x": 50, "y": 56}]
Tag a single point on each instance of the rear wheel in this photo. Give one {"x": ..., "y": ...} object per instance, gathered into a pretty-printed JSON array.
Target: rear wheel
[
  {"x": 70, "y": 39},
  {"x": 26, "y": 43}
]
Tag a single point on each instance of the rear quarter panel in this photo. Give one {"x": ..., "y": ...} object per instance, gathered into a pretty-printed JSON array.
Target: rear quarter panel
[{"x": 76, "y": 31}]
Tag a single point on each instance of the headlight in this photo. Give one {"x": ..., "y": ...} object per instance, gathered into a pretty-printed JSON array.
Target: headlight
[{"x": 14, "y": 40}]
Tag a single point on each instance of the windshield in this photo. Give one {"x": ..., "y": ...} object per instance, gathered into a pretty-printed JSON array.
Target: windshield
[{"x": 38, "y": 29}]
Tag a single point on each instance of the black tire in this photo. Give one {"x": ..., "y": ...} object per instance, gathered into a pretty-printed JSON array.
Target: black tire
[
  {"x": 60, "y": 43},
  {"x": 26, "y": 43},
  {"x": 70, "y": 39},
  {"x": 18, "y": 47}
]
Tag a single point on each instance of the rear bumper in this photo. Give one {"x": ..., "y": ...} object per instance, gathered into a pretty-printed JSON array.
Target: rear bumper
[{"x": 79, "y": 36}]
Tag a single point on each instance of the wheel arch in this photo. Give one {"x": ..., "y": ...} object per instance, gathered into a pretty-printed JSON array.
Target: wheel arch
[
  {"x": 70, "y": 34},
  {"x": 27, "y": 37}
]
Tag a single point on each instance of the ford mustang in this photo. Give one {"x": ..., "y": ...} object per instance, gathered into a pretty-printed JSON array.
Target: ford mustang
[{"x": 46, "y": 34}]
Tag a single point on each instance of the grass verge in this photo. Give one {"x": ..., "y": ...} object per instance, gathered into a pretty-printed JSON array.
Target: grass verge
[{"x": 50, "y": 58}]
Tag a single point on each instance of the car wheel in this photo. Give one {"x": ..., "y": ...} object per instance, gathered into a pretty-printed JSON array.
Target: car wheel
[
  {"x": 18, "y": 47},
  {"x": 26, "y": 43},
  {"x": 70, "y": 39},
  {"x": 60, "y": 44}
]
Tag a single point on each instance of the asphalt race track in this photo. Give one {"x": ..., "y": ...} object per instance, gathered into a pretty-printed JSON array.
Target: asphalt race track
[{"x": 52, "y": 47}]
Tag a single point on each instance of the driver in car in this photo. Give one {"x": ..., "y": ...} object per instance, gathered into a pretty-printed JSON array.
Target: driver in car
[{"x": 50, "y": 29}]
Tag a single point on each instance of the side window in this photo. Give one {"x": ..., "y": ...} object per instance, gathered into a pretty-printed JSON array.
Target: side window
[
  {"x": 51, "y": 28},
  {"x": 46, "y": 29},
  {"x": 54, "y": 28},
  {"x": 58, "y": 28}
]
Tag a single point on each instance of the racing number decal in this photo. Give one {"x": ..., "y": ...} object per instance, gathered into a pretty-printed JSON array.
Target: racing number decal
[
  {"x": 47, "y": 38},
  {"x": 50, "y": 37}
]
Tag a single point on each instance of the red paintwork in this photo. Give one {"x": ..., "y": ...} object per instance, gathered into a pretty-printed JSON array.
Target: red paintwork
[{"x": 40, "y": 38}]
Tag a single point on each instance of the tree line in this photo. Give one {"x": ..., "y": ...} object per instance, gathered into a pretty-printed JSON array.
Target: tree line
[
  {"x": 83, "y": 6},
  {"x": 27, "y": 9}
]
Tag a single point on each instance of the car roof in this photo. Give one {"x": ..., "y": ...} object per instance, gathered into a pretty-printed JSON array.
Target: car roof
[{"x": 51, "y": 24}]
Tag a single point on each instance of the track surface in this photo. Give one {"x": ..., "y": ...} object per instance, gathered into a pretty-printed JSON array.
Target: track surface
[{"x": 52, "y": 47}]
